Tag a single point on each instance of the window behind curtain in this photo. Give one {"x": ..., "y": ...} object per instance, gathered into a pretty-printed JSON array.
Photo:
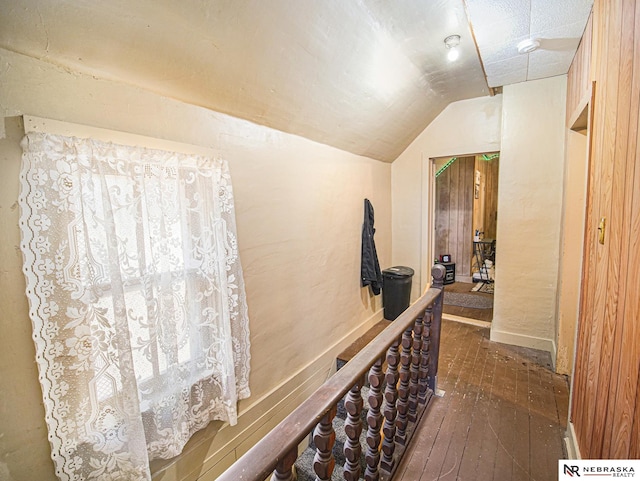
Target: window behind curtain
[{"x": 136, "y": 298}]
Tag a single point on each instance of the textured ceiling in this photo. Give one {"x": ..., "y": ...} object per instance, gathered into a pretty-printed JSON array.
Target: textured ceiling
[
  {"x": 366, "y": 76},
  {"x": 499, "y": 26},
  {"x": 363, "y": 75}
]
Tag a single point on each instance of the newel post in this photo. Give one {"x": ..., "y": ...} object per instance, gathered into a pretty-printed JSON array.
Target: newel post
[{"x": 437, "y": 272}]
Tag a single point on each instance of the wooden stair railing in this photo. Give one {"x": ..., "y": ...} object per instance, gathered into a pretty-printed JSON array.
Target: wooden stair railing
[{"x": 411, "y": 344}]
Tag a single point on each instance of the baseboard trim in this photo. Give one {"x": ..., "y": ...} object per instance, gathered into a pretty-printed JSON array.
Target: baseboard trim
[
  {"x": 554, "y": 354},
  {"x": 571, "y": 443},
  {"x": 220, "y": 446},
  {"x": 465, "y": 320},
  {"x": 523, "y": 340}
]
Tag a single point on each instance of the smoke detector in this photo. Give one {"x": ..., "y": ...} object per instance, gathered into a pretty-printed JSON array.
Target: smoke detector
[{"x": 528, "y": 45}]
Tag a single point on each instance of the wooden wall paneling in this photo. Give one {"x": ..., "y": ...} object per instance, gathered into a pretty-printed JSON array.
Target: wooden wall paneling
[
  {"x": 623, "y": 406},
  {"x": 454, "y": 207},
  {"x": 491, "y": 198},
  {"x": 584, "y": 66},
  {"x": 622, "y": 411},
  {"x": 608, "y": 267},
  {"x": 582, "y": 348},
  {"x": 478, "y": 207},
  {"x": 454, "y": 213},
  {"x": 606, "y": 389},
  {"x": 442, "y": 212},
  {"x": 478, "y": 203},
  {"x": 485, "y": 207},
  {"x": 459, "y": 245},
  {"x": 587, "y": 324},
  {"x": 484, "y": 194},
  {"x": 445, "y": 209},
  {"x": 579, "y": 78},
  {"x": 586, "y": 301},
  {"x": 585, "y": 58},
  {"x": 602, "y": 331},
  {"x": 487, "y": 194},
  {"x": 465, "y": 240},
  {"x": 634, "y": 449},
  {"x": 631, "y": 340},
  {"x": 590, "y": 326},
  {"x": 596, "y": 39},
  {"x": 620, "y": 227},
  {"x": 469, "y": 223},
  {"x": 457, "y": 216}
]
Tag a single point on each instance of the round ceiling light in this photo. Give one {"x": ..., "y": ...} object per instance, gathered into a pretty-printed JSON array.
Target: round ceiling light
[
  {"x": 528, "y": 45},
  {"x": 452, "y": 42}
]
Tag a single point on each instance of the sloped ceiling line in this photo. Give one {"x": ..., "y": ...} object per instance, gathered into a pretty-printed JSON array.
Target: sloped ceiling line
[{"x": 365, "y": 76}]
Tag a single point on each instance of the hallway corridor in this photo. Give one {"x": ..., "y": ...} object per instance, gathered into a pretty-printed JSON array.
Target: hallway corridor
[{"x": 502, "y": 417}]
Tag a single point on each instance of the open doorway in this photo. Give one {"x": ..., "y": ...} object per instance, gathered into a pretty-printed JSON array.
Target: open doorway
[{"x": 465, "y": 220}]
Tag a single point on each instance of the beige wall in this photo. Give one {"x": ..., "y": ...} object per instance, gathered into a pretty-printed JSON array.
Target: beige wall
[
  {"x": 464, "y": 127},
  {"x": 526, "y": 125},
  {"x": 570, "y": 275},
  {"x": 529, "y": 213},
  {"x": 299, "y": 208}
]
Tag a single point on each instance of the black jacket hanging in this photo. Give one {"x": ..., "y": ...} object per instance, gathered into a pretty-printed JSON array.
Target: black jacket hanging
[{"x": 370, "y": 269}]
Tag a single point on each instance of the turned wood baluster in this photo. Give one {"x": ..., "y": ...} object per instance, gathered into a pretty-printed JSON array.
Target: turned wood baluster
[
  {"x": 353, "y": 428},
  {"x": 403, "y": 389},
  {"x": 374, "y": 422},
  {"x": 416, "y": 349},
  {"x": 324, "y": 437},
  {"x": 284, "y": 471},
  {"x": 423, "y": 389},
  {"x": 390, "y": 411},
  {"x": 437, "y": 272}
]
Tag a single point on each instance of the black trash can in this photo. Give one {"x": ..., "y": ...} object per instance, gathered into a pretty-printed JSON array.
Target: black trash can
[{"x": 396, "y": 290}]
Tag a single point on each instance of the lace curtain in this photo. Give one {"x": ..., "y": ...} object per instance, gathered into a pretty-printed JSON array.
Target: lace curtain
[{"x": 136, "y": 298}]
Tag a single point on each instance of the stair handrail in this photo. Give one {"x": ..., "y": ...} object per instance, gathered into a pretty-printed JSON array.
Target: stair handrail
[{"x": 260, "y": 461}]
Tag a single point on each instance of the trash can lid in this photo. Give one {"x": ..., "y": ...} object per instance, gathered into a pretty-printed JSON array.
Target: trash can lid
[{"x": 398, "y": 272}]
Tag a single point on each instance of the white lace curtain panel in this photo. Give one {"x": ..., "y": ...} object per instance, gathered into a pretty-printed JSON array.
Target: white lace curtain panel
[{"x": 136, "y": 298}]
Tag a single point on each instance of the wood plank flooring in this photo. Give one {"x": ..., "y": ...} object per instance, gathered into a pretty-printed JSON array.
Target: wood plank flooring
[
  {"x": 502, "y": 417},
  {"x": 468, "y": 312}
]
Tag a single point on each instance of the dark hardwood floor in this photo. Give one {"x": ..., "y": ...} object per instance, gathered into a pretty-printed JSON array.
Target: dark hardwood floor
[
  {"x": 468, "y": 312},
  {"x": 502, "y": 417}
]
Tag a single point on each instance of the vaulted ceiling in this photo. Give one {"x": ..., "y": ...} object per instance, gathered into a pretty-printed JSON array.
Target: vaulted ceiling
[{"x": 366, "y": 76}]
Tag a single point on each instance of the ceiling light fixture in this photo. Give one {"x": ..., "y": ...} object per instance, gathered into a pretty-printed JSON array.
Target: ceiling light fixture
[
  {"x": 452, "y": 42},
  {"x": 528, "y": 45}
]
